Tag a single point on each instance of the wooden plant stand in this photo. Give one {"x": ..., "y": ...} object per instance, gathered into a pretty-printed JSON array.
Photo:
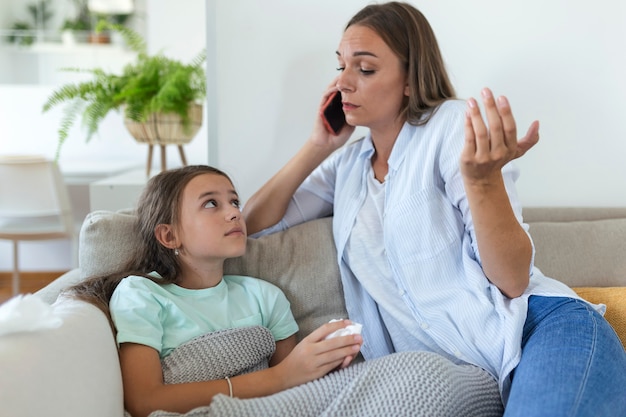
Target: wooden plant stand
[{"x": 164, "y": 129}]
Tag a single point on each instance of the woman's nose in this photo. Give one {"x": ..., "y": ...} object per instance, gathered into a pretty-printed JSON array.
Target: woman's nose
[{"x": 343, "y": 83}]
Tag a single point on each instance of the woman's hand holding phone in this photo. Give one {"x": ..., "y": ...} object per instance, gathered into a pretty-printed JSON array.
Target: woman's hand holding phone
[{"x": 331, "y": 114}]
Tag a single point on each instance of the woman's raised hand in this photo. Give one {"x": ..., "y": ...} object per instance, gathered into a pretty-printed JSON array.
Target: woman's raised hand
[{"x": 488, "y": 149}]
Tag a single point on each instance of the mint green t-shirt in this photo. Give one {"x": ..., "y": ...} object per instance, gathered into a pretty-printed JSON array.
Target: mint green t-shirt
[{"x": 166, "y": 316}]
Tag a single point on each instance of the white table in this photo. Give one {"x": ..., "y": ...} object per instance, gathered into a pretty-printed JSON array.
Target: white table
[
  {"x": 119, "y": 191},
  {"x": 79, "y": 175}
]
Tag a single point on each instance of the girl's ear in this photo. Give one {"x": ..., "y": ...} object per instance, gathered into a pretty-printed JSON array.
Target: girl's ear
[{"x": 166, "y": 236}]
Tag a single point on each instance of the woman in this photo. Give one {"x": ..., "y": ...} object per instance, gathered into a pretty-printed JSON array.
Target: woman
[
  {"x": 174, "y": 291},
  {"x": 433, "y": 252}
]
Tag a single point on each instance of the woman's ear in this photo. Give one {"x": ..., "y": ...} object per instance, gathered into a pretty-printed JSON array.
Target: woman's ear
[{"x": 166, "y": 236}]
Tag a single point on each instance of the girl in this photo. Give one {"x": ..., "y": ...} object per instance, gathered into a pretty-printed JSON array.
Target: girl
[{"x": 189, "y": 222}]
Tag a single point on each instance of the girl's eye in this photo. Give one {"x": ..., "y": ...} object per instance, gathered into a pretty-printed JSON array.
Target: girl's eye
[
  {"x": 236, "y": 203},
  {"x": 210, "y": 204},
  {"x": 340, "y": 69}
]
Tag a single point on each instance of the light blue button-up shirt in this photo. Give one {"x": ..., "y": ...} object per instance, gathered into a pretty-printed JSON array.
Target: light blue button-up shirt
[{"x": 430, "y": 245}]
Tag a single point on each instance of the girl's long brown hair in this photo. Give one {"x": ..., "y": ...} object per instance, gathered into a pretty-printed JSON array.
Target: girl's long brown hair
[{"x": 159, "y": 204}]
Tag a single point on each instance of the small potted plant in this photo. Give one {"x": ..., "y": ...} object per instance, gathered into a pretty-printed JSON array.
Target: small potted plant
[
  {"x": 22, "y": 34},
  {"x": 25, "y": 33},
  {"x": 71, "y": 28},
  {"x": 160, "y": 97}
]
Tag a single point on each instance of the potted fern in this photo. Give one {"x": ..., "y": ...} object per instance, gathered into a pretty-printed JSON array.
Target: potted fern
[{"x": 160, "y": 97}]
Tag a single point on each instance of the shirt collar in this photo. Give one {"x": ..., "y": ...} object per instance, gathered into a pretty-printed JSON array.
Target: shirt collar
[{"x": 399, "y": 148}]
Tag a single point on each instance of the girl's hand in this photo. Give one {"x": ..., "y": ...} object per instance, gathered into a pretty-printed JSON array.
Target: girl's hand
[
  {"x": 321, "y": 136},
  {"x": 314, "y": 356},
  {"x": 487, "y": 150}
]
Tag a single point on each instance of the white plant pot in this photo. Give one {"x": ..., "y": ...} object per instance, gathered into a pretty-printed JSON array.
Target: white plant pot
[{"x": 68, "y": 38}]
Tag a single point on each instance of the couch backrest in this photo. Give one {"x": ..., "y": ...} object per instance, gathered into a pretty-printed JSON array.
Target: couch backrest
[
  {"x": 580, "y": 246},
  {"x": 302, "y": 260},
  {"x": 572, "y": 214}
]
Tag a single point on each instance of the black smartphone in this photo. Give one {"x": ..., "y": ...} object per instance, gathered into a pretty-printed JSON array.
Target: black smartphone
[{"x": 332, "y": 113}]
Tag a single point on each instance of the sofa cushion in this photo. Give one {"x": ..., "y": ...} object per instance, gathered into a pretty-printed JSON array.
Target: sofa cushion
[
  {"x": 582, "y": 253},
  {"x": 301, "y": 261},
  {"x": 75, "y": 362},
  {"x": 106, "y": 242},
  {"x": 579, "y": 253},
  {"x": 615, "y": 300}
]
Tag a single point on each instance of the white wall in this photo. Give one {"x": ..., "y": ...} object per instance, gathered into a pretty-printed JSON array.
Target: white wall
[
  {"x": 273, "y": 58},
  {"x": 561, "y": 62}
]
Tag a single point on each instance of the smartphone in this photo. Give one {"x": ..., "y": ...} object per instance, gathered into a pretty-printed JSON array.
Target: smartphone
[{"x": 332, "y": 113}]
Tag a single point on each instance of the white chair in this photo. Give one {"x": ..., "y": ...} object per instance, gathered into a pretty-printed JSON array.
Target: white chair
[{"x": 34, "y": 205}]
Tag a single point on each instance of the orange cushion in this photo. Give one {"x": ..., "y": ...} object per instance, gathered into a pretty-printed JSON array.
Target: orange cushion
[{"x": 615, "y": 300}]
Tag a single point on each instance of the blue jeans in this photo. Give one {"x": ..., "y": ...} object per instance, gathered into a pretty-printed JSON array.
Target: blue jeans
[{"x": 572, "y": 364}]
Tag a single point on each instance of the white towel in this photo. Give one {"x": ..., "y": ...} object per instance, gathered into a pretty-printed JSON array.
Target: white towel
[{"x": 27, "y": 313}]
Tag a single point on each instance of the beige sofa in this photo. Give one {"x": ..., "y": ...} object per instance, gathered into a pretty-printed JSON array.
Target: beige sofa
[{"x": 72, "y": 370}]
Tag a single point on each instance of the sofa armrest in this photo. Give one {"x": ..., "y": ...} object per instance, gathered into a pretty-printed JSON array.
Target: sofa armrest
[
  {"x": 50, "y": 292},
  {"x": 69, "y": 371}
]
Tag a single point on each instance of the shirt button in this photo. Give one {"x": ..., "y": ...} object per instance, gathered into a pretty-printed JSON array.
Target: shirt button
[
  {"x": 401, "y": 292},
  {"x": 424, "y": 326},
  {"x": 457, "y": 353}
]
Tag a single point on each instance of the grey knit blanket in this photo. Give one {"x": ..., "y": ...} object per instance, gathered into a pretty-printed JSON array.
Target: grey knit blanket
[
  {"x": 219, "y": 354},
  {"x": 417, "y": 384}
]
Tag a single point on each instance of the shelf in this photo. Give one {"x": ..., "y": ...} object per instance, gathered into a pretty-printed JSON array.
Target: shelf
[{"x": 42, "y": 63}]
